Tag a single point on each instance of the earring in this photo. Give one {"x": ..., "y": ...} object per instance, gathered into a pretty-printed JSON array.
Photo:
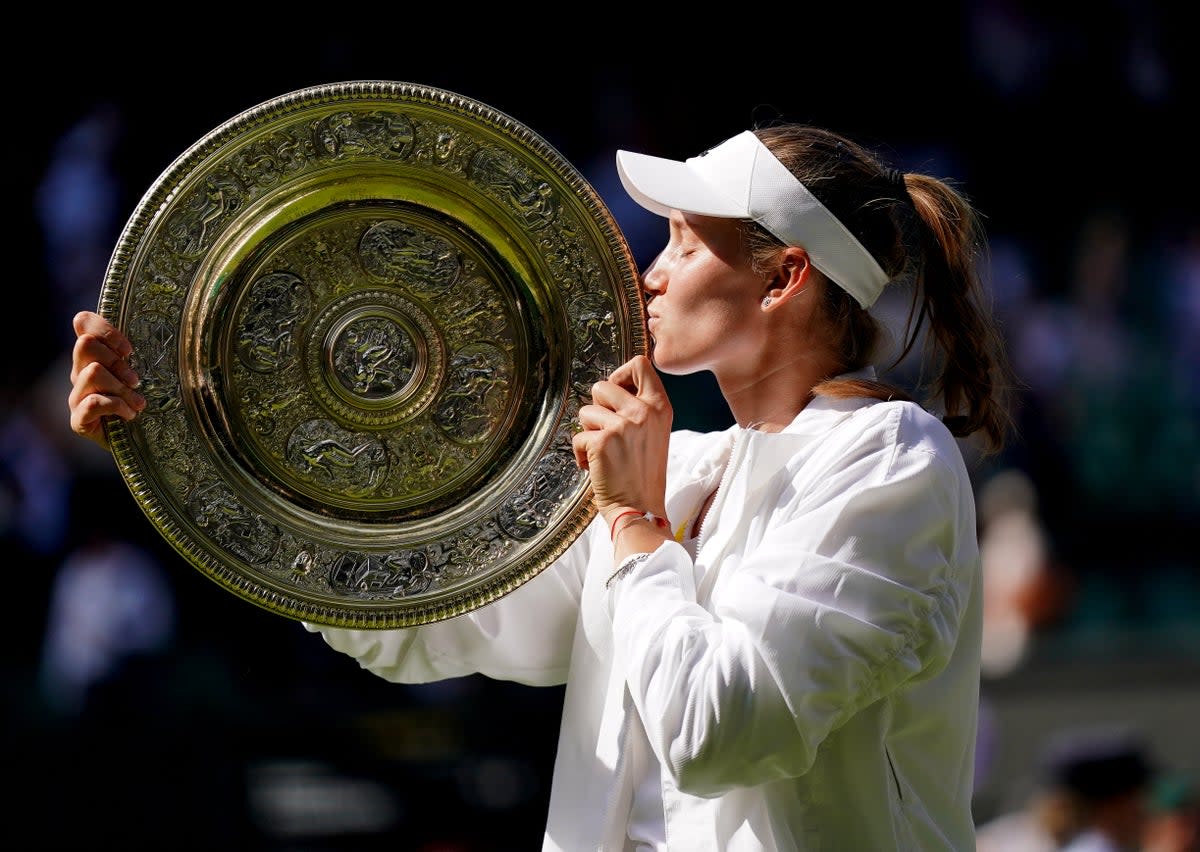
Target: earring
[{"x": 766, "y": 302}]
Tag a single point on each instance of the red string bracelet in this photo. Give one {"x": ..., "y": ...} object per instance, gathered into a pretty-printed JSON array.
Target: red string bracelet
[
  {"x": 661, "y": 523},
  {"x": 612, "y": 530}
]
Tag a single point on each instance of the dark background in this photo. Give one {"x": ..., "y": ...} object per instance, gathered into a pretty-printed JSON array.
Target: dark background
[{"x": 198, "y": 720}]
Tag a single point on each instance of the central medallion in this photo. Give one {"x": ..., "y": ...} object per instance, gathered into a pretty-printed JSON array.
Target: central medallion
[{"x": 375, "y": 358}]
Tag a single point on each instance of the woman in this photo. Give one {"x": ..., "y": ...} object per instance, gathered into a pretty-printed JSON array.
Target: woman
[{"x": 770, "y": 635}]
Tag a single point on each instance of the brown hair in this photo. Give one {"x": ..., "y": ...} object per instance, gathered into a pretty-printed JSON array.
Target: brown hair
[{"x": 920, "y": 230}]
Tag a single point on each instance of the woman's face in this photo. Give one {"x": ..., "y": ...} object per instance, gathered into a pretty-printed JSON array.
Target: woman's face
[{"x": 704, "y": 304}]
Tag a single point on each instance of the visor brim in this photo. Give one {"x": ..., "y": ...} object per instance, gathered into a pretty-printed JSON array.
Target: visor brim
[{"x": 661, "y": 185}]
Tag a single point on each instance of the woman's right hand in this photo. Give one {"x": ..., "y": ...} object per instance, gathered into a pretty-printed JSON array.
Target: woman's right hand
[{"x": 102, "y": 382}]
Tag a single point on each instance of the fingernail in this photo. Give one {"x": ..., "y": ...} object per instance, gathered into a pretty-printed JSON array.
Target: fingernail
[
  {"x": 129, "y": 377},
  {"x": 139, "y": 401}
]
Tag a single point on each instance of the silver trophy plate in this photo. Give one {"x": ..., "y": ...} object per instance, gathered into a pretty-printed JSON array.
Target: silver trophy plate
[{"x": 365, "y": 316}]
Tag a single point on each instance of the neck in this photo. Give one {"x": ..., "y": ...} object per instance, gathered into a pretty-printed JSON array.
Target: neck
[{"x": 770, "y": 395}]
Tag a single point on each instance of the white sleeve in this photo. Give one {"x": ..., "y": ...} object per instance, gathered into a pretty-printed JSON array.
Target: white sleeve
[
  {"x": 847, "y": 597},
  {"x": 524, "y": 636}
]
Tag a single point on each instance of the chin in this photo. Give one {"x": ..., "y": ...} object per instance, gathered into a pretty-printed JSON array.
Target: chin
[{"x": 665, "y": 365}]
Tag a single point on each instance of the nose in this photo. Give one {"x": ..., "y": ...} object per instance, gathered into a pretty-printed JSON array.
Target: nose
[{"x": 654, "y": 279}]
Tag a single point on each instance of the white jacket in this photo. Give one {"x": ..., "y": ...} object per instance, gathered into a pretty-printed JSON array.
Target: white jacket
[{"x": 811, "y": 682}]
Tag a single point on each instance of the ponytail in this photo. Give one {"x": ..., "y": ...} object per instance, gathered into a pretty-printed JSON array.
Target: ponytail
[
  {"x": 921, "y": 231},
  {"x": 972, "y": 376}
]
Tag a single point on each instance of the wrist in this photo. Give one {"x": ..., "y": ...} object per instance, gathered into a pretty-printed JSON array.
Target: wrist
[{"x": 621, "y": 516}]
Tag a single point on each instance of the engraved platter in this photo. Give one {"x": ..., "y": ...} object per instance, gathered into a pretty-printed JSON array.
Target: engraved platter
[{"x": 365, "y": 316}]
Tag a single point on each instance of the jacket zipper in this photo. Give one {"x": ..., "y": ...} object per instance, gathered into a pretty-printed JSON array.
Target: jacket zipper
[{"x": 734, "y": 461}]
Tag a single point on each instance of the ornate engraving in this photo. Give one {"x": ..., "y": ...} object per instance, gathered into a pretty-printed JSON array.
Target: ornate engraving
[
  {"x": 276, "y": 305},
  {"x": 504, "y": 177},
  {"x": 426, "y": 458},
  {"x": 449, "y": 148},
  {"x": 395, "y": 252},
  {"x": 387, "y": 135},
  {"x": 374, "y": 357},
  {"x": 247, "y": 536},
  {"x": 480, "y": 546},
  {"x": 262, "y": 407},
  {"x": 478, "y": 314},
  {"x": 376, "y": 576},
  {"x": 527, "y": 512},
  {"x": 192, "y": 230},
  {"x": 154, "y": 359},
  {"x": 595, "y": 327},
  {"x": 477, "y": 385},
  {"x": 328, "y": 456}
]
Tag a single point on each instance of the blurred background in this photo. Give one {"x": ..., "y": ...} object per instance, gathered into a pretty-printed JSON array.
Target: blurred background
[{"x": 148, "y": 707}]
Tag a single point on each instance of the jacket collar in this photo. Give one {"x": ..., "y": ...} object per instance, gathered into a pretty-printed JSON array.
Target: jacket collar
[{"x": 765, "y": 453}]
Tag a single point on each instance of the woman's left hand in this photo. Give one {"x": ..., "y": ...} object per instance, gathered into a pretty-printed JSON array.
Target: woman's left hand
[{"x": 624, "y": 440}]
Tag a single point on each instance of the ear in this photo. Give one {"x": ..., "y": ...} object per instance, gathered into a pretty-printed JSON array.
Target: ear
[{"x": 791, "y": 276}]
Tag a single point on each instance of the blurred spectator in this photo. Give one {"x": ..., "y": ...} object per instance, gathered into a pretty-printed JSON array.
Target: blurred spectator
[
  {"x": 110, "y": 603},
  {"x": 1044, "y": 820},
  {"x": 1117, "y": 445},
  {"x": 38, "y": 481},
  {"x": 1110, "y": 776},
  {"x": 1044, "y": 823},
  {"x": 78, "y": 205},
  {"x": 1174, "y": 823},
  {"x": 1091, "y": 797},
  {"x": 1023, "y": 589}
]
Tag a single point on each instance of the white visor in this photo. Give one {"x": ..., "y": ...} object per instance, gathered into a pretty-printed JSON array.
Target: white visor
[{"x": 742, "y": 179}]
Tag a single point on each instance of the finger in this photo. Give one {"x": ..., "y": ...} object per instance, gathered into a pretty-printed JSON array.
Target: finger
[
  {"x": 91, "y": 349},
  {"x": 90, "y": 322},
  {"x": 598, "y": 417},
  {"x": 638, "y": 376},
  {"x": 95, "y": 378},
  {"x": 579, "y": 444},
  {"x": 613, "y": 396},
  {"x": 86, "y": 417}
]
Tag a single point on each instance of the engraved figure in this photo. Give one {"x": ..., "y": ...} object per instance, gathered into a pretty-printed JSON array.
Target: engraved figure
[
  {"x": 424, "y": 460},
  {"x": 324, "y": 454},
  {"x": 190, "y": 229},
  {"x": 385, "y": 134},
  {"x": 400, "y": 253},
  {"x": 475, "y": 393},
  {"x": 302, "y": 564},
  {"x": 595, "y": 324},
  {"x": 563, "y": 266},
  {"x": 381, "y": 576},
  {"x": 261, "y": 410},
  {"x": 529, "y": 511},
  {"x": 479, "y": 546},
  {"x": 247, "y": 536},
  {"x": 501, "y": 174},
  {"x": 445, "y": 145},
  {"x": 570, "y": 260},
  {"x": 275, "y": 306},
  {"x": 479, "y": 313},
  {"x": 374, "y": 357}
]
